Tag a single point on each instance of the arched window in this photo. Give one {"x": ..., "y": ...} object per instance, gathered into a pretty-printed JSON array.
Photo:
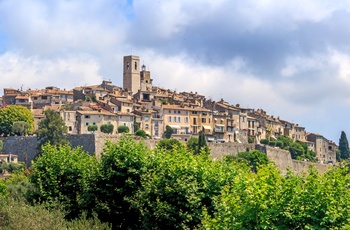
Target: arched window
[
  {"x": 135, "y": 65},
  {"x": 127, "y": 65}
]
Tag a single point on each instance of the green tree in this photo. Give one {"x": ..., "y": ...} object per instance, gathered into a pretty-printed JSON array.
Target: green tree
[
  {"x": 13, "y": 113},
  {"x": 192, "y": 145},
  {"x": 141, "y": 133},
  {"x": 92, "y": 128},
  {"x": 169, "y": 144},
  {"x": 107, "y": 128},
  {"x": 254, "y": 159},
  {"x": 250, "y": 139},
  {"x": 168, "y": 132},
  {"x": 3, "y": 190},
  {"x": 52, "y": 130},
  {"x": 121, "y": 168},
  {"x": 123, "y": 129},
  {"x": 344, "y": 146},
  {"x": 63, "y": 174},
  {"x": 20, "y": 128},
  {"x": 202, "y": 144}
]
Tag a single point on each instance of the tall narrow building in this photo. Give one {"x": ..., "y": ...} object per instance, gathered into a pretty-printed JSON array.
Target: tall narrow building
[{"x": 131, "y": 73}]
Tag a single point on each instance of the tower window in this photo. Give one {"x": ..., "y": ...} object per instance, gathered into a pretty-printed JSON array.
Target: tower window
[
  {"x": 127, "y": 65},
  {"x": 135, "y": 65}
]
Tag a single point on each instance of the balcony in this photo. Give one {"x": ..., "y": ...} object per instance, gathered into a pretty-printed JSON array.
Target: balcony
[{"x": 219, "y": 130}]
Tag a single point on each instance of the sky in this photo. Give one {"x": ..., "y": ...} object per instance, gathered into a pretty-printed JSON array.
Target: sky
[{"x": 290, "y": 58}]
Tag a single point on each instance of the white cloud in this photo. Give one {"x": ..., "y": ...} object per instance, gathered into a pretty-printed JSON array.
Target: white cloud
[{"x": 34, "y": 72}]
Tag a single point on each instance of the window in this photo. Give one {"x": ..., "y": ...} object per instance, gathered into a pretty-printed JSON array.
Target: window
[
  {"x": 209, "y": 120},
  {"x": 44, "y": 97},
  {"x": 169, "y": 111},
  {"x": 135, "y": 65},
  {"x": 70, "y": 128},
  {"x": 87, "y": 116},
  {"x": 179, "y": 119},
  {"x": 169, "y": 119},
  {"x": 179, "y": 112},
  {"x": 146, "y": 118},
  {"x": 94, "y": 123},
  {"x": 186, "y": 119},
  {"x": 203, "y": 120},
  {"x": 147, "y": 126},
  {"x": 127, "y": 65},
  {"x": 87, "y": 123}
]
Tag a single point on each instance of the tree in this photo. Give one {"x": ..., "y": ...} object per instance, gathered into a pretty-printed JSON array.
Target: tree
[
  {"x": 254, "y": 159},
  {"x": 63, "y": 174},
  {"x": 192, "y": 145},
  {"x": 141, "y": 133},
  {"x": 169, "y": 144},
  {"x": 12, "y": 113},
  {"x": 107, "y": 128},
  {"x": 202, "y": 142},
  {"x": 52, "y": 130},
  {"x": 123, "y": 129},
  {"x": 168, "y": 132},
  {"x": 344, "y": 146},
  {"x": 20, "y": 128},
  {"x": 92, "y": 128}
]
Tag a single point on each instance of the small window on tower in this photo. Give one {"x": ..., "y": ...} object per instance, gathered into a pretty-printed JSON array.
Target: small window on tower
[
  {"x": 127, "y": 65},
  {"x": 135, "y": 65}
]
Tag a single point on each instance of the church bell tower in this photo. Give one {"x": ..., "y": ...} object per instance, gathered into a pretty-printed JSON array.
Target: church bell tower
[{"x": 131, "y": 73}]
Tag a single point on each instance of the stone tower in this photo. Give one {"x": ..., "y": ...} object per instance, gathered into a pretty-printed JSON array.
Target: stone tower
[{"x": 131, "y": 73}]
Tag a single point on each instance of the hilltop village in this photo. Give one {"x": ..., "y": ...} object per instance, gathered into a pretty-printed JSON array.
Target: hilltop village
[{"x": 140, "y": 104}]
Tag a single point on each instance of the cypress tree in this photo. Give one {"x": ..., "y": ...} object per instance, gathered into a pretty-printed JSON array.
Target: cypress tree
[
  {"x": 344, "y": 146},
  {"x": 201, "y": 141}
]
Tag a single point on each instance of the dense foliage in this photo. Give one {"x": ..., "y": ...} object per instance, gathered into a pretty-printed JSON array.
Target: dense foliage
[
  {"x": 169, "y": 144},
  {"x": 141, "y": 133},
  {"x": 254, "y": 159},
  {"x": 52, "y": 130},
  {"x": 92, "y": 128},
  {"x": 20, "y": 128},
  {"x": 168, "y": 132},
  {"x": 344, "y": 146},
  {"x": 13, "y": 113},
  {"x": 133, "y": 187},
  {"x": 123, "y": 129},
  {"x": 107, "y": 128}
]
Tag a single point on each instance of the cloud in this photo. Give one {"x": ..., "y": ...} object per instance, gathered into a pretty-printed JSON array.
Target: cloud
[{"x": 36, "y": 73}]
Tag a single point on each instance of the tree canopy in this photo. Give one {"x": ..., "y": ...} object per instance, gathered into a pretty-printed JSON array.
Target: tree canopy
[
  {"x": 52, "y": 129},
  {"x": 344, "y": 146},
  {"x": 123, "y": 129},
  {"x": 168, "y": 132},
  {"x": 14, "y": 113}
]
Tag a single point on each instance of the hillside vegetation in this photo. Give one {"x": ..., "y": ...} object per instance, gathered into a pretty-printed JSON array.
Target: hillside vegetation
[{"x": 132, "y": 187}]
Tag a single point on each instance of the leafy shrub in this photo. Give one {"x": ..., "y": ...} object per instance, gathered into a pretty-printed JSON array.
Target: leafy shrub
[
  {"x": 250, "y": 139},
  {"x": 264, "y": 141},
  {"x": 169, "y": 144},
  {"x": 141, "y": 133},
  {"x": 272, "y": 143},
  {"x": 92, "y": 128},
  {"x": 107, "y": 128},
  {"x": 123, "y": 129},
  {"x": 279, "y": 144}
]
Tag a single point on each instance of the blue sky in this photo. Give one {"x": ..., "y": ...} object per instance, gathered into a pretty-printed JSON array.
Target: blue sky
[{"x": 291, "y": 58}]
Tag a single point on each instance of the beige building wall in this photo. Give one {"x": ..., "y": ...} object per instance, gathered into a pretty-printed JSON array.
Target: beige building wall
[
  {"x": 86, "y": 118},
  {"x": 177, "y": 118}
]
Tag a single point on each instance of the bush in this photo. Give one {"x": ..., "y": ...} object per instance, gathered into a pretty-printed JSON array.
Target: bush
[
  {"x": 272, "y": 143},
  {"x": 279, "y": 144},
  {"x": 169, "y": 144},
  {"x": 250, "y": 139},
  {"x": 141, "y": 133},
  {"x": 168, "y": 132},
  {"x": 92, "y": 128},
  {"x": 107, "y": 128},
  {"x": 123, "y": 129},
  {"x": 264, "y": 141}
]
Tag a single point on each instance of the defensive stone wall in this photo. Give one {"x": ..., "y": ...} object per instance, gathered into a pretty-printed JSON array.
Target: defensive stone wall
[{"x": 25, "y": 148}]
